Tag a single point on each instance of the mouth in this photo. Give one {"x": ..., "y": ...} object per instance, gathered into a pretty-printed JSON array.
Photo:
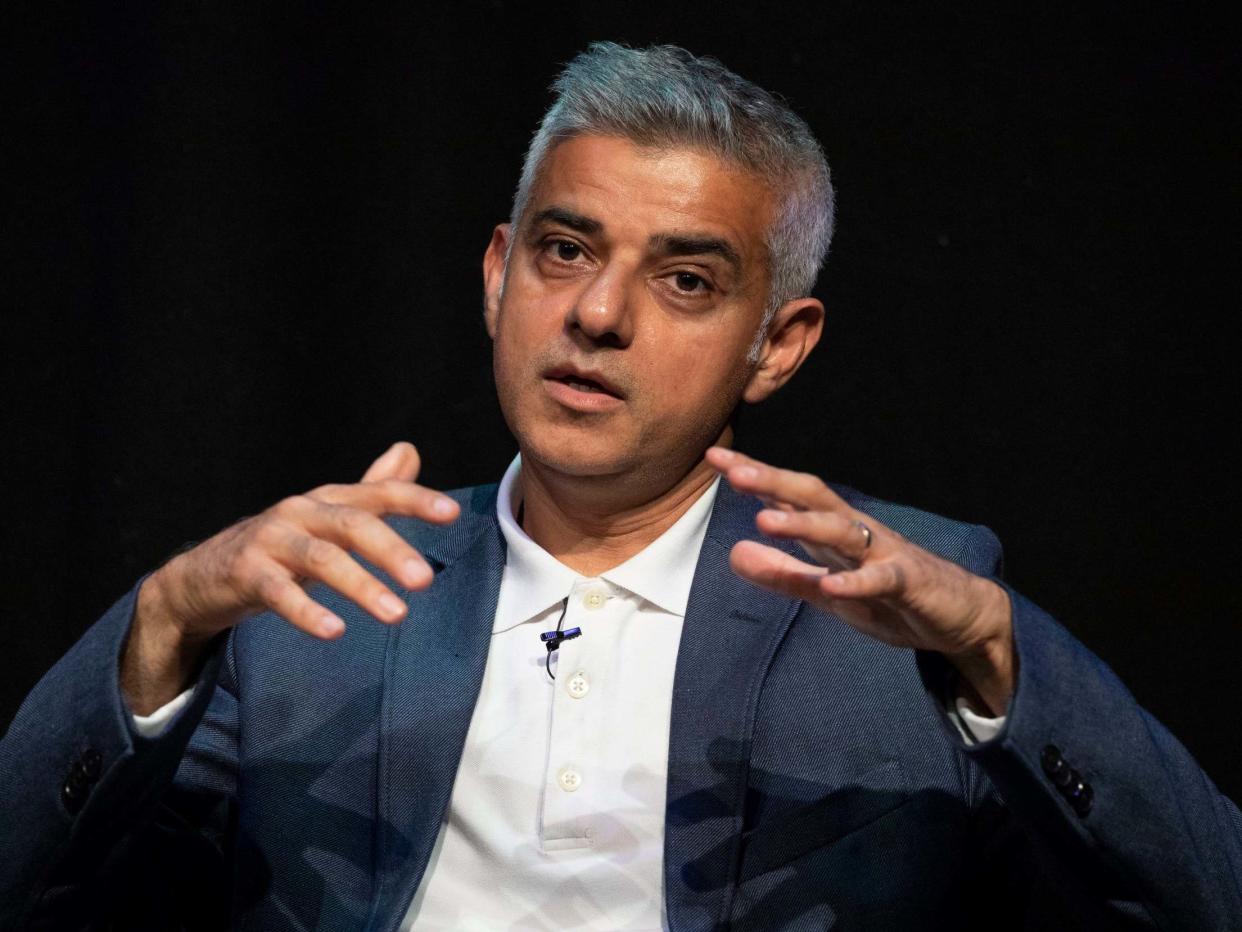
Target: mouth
[
  {"x": 589, "y": 383},
  {"x": 582, "y": 391}
]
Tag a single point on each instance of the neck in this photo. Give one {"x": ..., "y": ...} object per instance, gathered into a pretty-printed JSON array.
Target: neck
[{"x": 592, "y": 524}]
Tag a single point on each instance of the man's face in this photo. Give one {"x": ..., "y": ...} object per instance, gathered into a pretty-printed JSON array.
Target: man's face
[{"x": 635, "y": 287}]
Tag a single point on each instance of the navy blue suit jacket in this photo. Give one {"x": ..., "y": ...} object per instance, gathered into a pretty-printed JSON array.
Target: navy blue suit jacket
[{"x": 814, "y": 781}]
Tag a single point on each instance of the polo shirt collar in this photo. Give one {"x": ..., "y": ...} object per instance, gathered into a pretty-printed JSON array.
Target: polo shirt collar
[{"x": 534, "y": 580}]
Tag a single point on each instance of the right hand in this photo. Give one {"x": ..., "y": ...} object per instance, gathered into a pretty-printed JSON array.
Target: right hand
[{"x": 262, "y": 563}]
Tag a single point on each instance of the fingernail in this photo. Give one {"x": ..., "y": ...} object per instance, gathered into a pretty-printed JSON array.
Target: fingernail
[
  {"x": 746, "y": 472},
  {"x": 330, "y": 625},
  {"x": 443, "y": 506},
  {"x": 775, "y": 515},
  {"x": 724, "y": 453},
  {"x": 415, "y": 571},
  {"x": 390, "y": 605}
]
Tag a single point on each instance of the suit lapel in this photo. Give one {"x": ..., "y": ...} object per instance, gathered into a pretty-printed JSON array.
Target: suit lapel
[
  {"x": 731, "y": 632},
  {"x": 434, "y": 673}
]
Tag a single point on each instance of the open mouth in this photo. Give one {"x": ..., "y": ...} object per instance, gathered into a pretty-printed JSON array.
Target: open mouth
[
  {"x": 583, "y": 385},
  {"x": 582, "y": 390},
  {"x": 588, "y": 383}
]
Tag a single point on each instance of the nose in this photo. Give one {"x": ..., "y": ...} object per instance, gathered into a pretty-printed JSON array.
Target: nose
[{"x": 602, "y": 310}]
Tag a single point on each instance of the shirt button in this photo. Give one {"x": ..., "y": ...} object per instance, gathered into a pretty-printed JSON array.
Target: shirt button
[
  {"x": 569, "y": 780},
  {"x": 594, "y": 600},
  {"x": 578, "y": 686}
]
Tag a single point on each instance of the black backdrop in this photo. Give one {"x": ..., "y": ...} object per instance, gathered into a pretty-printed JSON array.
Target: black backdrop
[{"x": 242, "y": 247}]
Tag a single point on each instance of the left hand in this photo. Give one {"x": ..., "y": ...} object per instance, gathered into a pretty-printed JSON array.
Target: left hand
[{"x": 881, "y": 583}]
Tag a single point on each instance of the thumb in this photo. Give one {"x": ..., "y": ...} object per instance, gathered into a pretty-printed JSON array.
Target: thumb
[{"x": 400, "y": 461}]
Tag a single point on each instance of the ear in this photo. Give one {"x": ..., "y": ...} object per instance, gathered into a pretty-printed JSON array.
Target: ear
[
  {"x": 494, "y": 276},
  {"x": 792, "y": 334}
]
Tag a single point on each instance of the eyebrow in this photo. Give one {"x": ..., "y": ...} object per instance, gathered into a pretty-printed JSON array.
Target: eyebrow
[
  {"x": 672, "y": 244},
  {"x": 568, "y": 218},
  {"x": 663, "y": 244}
]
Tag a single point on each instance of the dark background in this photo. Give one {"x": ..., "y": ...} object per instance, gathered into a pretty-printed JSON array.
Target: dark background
[{"x": 241, "y": 257}]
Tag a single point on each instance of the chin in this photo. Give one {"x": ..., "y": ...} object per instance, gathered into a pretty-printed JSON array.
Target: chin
[{"x": 572, "y": 453}]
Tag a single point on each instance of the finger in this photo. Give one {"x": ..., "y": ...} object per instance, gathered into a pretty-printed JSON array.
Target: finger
[
  {"x": 882, "y": 580},
  {"x": 321, "y": 560},
  {"x": 400, "y": 461},
  {"x": 775, "y": 503},
  {"x": 816, "y": 530},
  {"x": 391, "y": 497},
  {"x": 774, "y": 569},
  {"x": 276, "y": 590},
  {"x": 362, "y": 532},
  {"x": 383, "y": 466},
  {"x": 801, "y": 490}
]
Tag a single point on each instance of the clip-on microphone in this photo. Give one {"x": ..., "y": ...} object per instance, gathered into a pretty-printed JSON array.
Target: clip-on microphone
[{"x": 552, "y": 639}]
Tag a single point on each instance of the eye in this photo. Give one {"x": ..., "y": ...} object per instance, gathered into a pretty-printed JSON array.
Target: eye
[
  {"x": 565, "y": 250},
  {"x": 689, "y": 282}
]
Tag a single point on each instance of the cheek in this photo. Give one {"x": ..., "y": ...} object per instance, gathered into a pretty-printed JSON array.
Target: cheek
[
  {"x": 517, "y": 339},
  {"x": 700, "y": 385},
  {"x": 523, "y": 347}
]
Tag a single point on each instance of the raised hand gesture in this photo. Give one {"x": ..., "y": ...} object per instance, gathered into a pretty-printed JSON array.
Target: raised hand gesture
[
  {"x": 872, "y": 577},
  {"x": 264, "y": 562}
]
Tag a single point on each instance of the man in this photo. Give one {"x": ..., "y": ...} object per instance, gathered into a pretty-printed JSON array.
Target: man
[{"x": 623, "y": 693}]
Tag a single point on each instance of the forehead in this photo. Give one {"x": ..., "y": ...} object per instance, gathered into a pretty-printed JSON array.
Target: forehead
[{"x": 637, "y": 191}]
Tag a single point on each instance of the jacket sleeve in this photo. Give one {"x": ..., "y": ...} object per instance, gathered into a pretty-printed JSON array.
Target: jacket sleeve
[
  {"x": 94, "y": 813},
  {"x": 1128, "y": 829}
]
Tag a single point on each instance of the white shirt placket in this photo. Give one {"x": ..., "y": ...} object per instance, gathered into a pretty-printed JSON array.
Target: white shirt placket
[{"x": 573, "y": 779}]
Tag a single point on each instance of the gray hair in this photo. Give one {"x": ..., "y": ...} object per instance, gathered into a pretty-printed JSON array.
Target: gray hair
[{"x": 664, "y": 96}]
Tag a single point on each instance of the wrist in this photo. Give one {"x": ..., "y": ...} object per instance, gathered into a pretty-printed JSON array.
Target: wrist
[
  {"x": 988, "y": 668},
  {"x": 160, "y": 658}
]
